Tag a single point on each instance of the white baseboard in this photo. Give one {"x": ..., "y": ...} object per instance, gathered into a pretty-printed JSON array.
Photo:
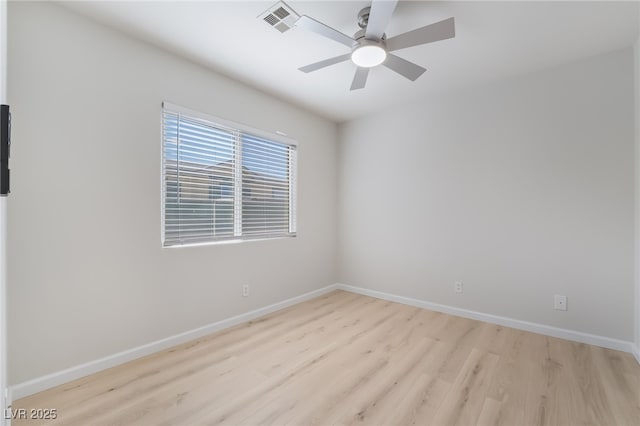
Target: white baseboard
[
  {"x": 577, "y": 336},
  {"x": 54, "y": 379},
  {"x": 58, "y": 378},
  {"x": 635, "y": 349}
]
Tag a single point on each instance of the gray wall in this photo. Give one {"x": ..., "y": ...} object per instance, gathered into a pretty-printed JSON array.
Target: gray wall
[
  {"x": 521, "y": 189},
  {"x": 88, "y": 275}
]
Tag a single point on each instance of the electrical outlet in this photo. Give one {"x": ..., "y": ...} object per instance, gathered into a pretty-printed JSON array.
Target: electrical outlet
[
  {"x": 457, "y": 286},
  {"x": 245, "y": 290},
  {"x": 560, "y": 302}
]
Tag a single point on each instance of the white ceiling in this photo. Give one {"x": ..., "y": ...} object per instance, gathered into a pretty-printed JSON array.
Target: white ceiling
[{"x": 493, "y": 40}]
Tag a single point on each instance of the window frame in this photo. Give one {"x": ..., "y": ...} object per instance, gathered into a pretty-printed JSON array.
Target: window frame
[{"x": 238, "y": 129}]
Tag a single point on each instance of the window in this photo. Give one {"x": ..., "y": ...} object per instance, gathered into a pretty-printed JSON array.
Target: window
[{"x": 224, "y": 181}]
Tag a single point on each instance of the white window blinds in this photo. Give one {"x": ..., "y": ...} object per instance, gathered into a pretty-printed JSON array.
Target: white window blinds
[{"x": 224, "y": 182}]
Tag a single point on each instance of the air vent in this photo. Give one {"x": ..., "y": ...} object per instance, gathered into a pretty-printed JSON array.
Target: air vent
[
  {"x": 271, "y": 20},
  {"x": 282, "y": 27},
  {"x": 281, "y": 12},
  {"x": 280, "y": 16}
]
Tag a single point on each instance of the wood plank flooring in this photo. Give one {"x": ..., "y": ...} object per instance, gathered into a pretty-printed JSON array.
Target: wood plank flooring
[{"x": 354, "y": 360}]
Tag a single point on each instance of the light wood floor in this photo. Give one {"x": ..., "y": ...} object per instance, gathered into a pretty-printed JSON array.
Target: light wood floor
[{"x": 350, "y": 359}]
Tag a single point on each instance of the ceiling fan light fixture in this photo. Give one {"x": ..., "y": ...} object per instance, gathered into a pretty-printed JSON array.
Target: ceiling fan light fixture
[{"x": 368, "y": 55}]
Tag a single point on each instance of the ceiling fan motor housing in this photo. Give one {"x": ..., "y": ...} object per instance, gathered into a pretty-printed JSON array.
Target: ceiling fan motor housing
[
  {"x": 360, "y": 35},
  {"x": 366, "y": 42},
  {"x": 363, "y": 21},
  {"x": 363, "y": 17}
]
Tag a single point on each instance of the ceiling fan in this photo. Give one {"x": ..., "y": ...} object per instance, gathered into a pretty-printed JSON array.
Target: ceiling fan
[{"x": 370, "y": 46}]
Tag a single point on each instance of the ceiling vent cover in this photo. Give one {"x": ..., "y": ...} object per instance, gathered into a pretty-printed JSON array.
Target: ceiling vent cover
[{"x": 280, "y": 16}]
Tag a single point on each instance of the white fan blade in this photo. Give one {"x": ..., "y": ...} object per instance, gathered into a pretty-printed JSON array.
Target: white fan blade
[
  {"x": 324, "y": 30},
  {"x": 379, "y": 17},
  {"x": 435, "y": 32},
  {"x": 327, "y": 62},
  {"x": 360, "y": 78},
  {"x": 403, "y": 67}
]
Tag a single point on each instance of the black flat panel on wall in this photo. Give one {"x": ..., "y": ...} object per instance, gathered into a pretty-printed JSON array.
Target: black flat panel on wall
[{"x": 5, "y": 145}]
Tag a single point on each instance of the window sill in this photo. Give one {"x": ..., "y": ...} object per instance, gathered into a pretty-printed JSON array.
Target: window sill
[{"x": 229, "y": 242}]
